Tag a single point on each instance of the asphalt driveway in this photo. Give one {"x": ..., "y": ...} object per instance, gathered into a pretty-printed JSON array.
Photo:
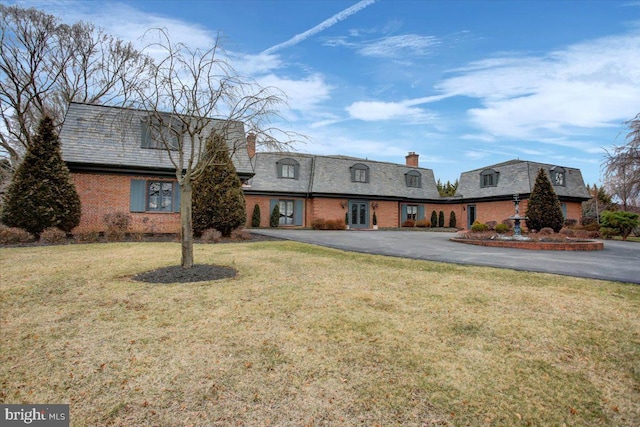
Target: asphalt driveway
[{"x": 619, "y": 261}]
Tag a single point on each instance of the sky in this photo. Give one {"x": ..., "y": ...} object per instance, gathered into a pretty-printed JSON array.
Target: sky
[{"x": 465, "y": 84}]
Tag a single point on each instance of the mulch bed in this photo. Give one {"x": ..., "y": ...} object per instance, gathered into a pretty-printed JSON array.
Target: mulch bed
[{"x": 176, "y": 274}]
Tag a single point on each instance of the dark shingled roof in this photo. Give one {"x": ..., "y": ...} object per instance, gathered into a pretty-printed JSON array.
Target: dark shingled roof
[
  {"x": 331, "y": 175},
  {"x": 519, "y": 176},
  {"x": 110, "y": 138}
]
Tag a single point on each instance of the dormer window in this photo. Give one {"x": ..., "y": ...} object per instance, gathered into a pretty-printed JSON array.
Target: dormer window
[
  {"x": 160, "y": 134},
  {"x": 359, "y": 173},
  {"x": 413, "y": 179},
  {"x": 558, "y": 176},
  {"x": 288, "y": 168},
  {"x": 489, "y": 178}
]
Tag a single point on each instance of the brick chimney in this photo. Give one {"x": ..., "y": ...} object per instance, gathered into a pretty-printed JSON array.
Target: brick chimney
[
  {"x": 251, "y": 145},
  {"x": 412, "y": 159}
]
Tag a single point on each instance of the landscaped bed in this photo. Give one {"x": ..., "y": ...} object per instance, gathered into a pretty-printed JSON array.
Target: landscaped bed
[{"x": 304, "y": 335}]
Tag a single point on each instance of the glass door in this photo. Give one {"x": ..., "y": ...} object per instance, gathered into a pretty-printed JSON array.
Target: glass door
[{"x": 359, "y": 214}]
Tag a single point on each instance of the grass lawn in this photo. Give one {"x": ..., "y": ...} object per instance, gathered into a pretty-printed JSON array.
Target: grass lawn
[{"x": 313, "y": 336}]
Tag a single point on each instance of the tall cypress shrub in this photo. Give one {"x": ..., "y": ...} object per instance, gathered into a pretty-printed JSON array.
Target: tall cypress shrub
[
  {"x": 434, "y": 219},
  {"x": 274, "y": 219},
  {"x": 452, "y": 219},
  {"x": 255, "y": 218},
  {"x": 543, "y": 209},
  {"x": 441, "y": 219},
  {"x": 41, "y": 194},
  {"x": 218, "y": 200}
]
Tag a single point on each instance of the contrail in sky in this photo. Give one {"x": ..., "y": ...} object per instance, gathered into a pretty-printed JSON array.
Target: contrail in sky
[{"x": 322, "y": 26}]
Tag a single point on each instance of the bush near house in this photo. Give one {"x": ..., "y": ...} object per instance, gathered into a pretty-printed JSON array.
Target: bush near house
[
  {"x": 423, "y": 223},
  {"x": 117, "y": 224},
  {"x": 255, "y": 218},
  {"x": 328, "y": 224},
  {"x": 478, "y": 227},
  {"x": 53, "y": 235},
  {"x": 622, "y": 223},
  {"x": 544, "y": 208},
  {"x": 434, "y": 219},
  {"x": 409, "y": 223},
  {"x": 274, "y": 219},
  {"x": 502, "y": 228},
  {"x": 452, "y": 220},
  {"x": 441, "y": 219},
  {"x": 14, "y": 235}
]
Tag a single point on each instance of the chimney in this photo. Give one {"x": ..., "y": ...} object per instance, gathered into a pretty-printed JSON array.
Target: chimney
[
  {"x": 412, "y": 159},
  {"x": 251, "y": 144}
]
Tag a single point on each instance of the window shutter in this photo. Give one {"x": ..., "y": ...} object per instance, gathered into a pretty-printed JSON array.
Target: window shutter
[
  {"x": 564, "y": 210},
  {"x": 404, "y": 214},
  {"x": 176, "y": 197},
  {"x": 138, "y": 195},
  {"x": 420, "y": 212},
  {"x": 297, "y": 212}
]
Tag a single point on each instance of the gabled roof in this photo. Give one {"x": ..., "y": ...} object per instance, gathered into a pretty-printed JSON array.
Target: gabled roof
[
  {"x": 109, "y": 138},
  {"x": 519, "y": 176},
  {"x": 331, "y": 175}
]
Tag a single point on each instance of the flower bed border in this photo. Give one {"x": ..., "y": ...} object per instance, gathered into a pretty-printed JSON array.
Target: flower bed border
[{"x": 533, "y": 245}]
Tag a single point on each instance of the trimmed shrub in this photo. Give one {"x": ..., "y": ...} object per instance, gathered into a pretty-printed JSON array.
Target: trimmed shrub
[
  {"x": 274, "y": 219},
  {"x": 87, "y": 237},
  {"x": 14, "y": 236},
  {"x": 328, "y": 224},
  {"x": 240, "y": 234},
  {"x": 53, "y": 235},
  {"x": 255, "y": 218},
  {"x": 211, "y": 235},
  {"x": 607, "y": 232},
  {"x": 409, "y": 223},
  {"x": 568, "y": 232},
  {"x": 452, "y": 219},
  {"x": 502, "y": 228},
  {"x": 478, "y": 227},
  {"x": 570, "y": 222},
  {"x": 434, "y": 219},
  {"x": 375, "y": 218},
  {"x": 546, "y": 231},
  {"x": 441, "y": 219},
  {"x": 117, "y": 224},
  {"x": 509, "y": 223},
  {"x": 491, "y": 224},
  {"x": 423, "y": 223}
]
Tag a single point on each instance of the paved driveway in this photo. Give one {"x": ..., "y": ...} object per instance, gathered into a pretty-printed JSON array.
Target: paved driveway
[{"x": 619, "y": 261}]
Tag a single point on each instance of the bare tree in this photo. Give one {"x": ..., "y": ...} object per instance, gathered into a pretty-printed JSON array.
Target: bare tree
[
  {"x": 195, "y": 95},
  {"x": 622, "y": 167},
  {"x": 45, "y": 64}
]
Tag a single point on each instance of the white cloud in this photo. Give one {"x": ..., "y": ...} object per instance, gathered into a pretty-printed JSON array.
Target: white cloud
[
  {"x": 377, "y": 110},
  {"x": 302, "y": 95},
  {"x": 401, "y": 46},
  {"x": 586, "y": 86}
]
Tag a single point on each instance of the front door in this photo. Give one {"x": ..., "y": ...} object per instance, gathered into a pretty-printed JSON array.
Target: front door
[
  {"x": 359, "y": 214},
  {"x": 471, "y": 215}
]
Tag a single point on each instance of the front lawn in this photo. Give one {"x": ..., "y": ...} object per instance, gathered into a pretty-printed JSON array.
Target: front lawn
[{"x": 312, "y": 336}]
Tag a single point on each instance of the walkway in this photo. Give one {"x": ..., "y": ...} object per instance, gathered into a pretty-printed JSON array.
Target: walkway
[{"x": 619, "y": 261}]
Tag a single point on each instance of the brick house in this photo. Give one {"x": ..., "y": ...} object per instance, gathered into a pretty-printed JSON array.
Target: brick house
[{"x": 117, "y": 167}]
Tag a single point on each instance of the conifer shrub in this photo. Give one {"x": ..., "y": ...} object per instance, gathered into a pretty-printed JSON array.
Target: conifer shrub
[
  {"x": 274, "y": 219},
  {"x": 434, "y": 219},
  {"x": 623, "y": 223},
  {"x": 41, "y": 194},
  {"x": 452, "y": 219},
  {"x": 544, "y": 208},
  {"x": 53, "y": 235},
  {"x": 218, "y": 200},
  {"x": 255, "y": 218},
  {"x": 441, "y": 219}
]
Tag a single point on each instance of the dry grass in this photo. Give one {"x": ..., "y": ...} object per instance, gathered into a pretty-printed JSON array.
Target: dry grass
[{"x": 313, "y": 336}]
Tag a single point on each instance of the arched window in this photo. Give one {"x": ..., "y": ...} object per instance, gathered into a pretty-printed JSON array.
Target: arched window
[
  {"x": 558, "y": 176},
  {"x": 489, "y": 178},
  {"x": 359, "y": 173},
  {"x": 413, "y": 179},
  {"x": 288, "y": 168}
]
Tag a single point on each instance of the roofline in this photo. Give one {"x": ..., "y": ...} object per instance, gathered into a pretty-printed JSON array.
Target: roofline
[{"x": 132, "y": 170}]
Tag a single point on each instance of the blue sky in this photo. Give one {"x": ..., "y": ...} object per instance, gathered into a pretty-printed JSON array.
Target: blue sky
[{"x": 465, "y": 84}]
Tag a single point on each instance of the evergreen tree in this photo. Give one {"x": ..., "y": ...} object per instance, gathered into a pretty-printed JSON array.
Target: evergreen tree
[
  {"x": 274, "y": 219},
  {"x": 434, "y": 219},
  {"x": 441, "y": 219},
  {"x": 41, "y": 194},
  {"x": 218, "y": 200},
  {"x": 452, "y": 219},
  {"x": 544, "y": 208},
  {"x": 255, "y": 218}
]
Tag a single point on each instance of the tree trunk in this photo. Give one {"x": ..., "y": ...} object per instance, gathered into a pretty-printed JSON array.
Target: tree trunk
[{"x": 186, "y": 224}]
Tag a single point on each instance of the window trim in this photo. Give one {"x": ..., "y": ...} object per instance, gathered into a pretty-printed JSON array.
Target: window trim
[
  {"x": 487, "y": 175},
  {"x": 354, "y": 173},
  {"x": 410, "y": 176},
  {"x": 140, "y": 194},
  {"x": 280, "y": 164}
]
